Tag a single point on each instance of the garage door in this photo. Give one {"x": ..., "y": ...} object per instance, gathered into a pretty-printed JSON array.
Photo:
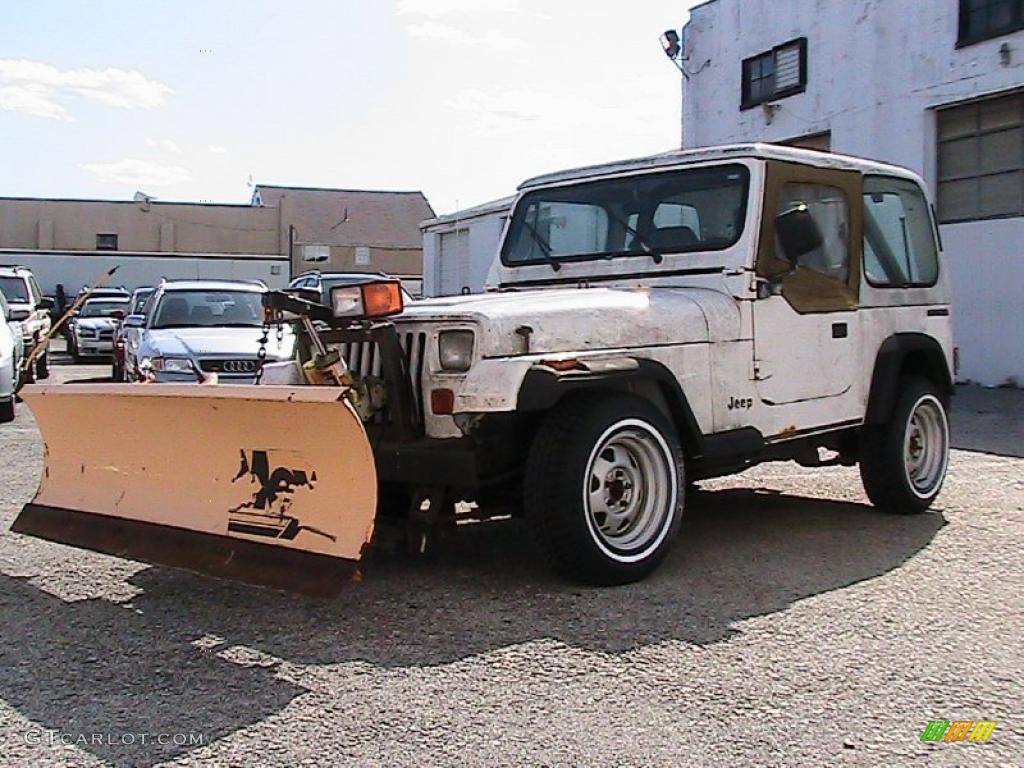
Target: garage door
[{"x": 453, "y": 266}]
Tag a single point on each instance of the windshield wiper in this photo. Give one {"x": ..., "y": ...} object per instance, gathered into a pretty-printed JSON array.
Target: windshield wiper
[
  {"x": 545, "y": 246},
  {"x": 654, "y": 253}
]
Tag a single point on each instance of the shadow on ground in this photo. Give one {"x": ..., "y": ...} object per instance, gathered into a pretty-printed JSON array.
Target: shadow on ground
[
  {"x": 741, "y": 554},
  {"x": 989, "y": 421}
]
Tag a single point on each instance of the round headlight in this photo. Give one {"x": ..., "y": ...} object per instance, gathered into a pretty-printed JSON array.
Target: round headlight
[{"x": 455, "y": 350}]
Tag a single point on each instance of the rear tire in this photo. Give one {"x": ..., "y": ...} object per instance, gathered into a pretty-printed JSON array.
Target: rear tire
[
  {"x": 903, "y": 463},
  {"x": 7, "y": 410},
  {"x": 605, "y": 487}
]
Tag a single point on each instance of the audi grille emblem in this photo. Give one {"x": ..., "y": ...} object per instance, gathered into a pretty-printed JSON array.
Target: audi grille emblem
[{"x": 239, "y": 366}]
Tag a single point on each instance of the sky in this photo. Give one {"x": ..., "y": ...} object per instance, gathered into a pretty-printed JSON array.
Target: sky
[{"x": 462, "y": 99}]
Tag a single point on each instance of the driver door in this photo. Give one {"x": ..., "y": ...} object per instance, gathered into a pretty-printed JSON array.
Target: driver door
[{"x": 806, "y": 321}]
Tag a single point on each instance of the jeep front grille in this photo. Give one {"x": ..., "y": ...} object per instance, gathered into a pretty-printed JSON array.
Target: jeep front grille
[{"x": 363, "y": 359}]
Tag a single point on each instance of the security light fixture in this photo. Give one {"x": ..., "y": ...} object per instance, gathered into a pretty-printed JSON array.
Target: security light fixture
[{"x": 670, "y": 44}]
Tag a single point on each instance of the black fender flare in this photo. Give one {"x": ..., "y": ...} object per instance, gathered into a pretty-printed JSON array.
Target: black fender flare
[{"x": 929, "y": 360}]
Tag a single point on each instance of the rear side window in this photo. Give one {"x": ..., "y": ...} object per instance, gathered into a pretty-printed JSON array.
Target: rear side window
[{"x": 899, "y": 240}]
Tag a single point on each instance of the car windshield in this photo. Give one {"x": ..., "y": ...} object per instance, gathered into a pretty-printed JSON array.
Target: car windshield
[
  {"x": 186, "y": 309},
  {"x": 139, "y": 302},
  {"x": 701, "y": 209},
  {"x": 101, "y": 308},
  {"x": 15, "y": 289}
]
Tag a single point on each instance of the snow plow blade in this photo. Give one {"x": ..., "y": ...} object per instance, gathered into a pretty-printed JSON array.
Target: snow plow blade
[{"x": 273, "y": 486}]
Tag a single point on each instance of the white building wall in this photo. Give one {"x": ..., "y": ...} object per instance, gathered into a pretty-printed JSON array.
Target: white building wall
[
  {"x": 134, "y": 270},
  {"x": 877, "y": 69}
]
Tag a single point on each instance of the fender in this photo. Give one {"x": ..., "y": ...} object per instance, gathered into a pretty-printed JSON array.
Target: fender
[
  {"x": 543, "y": 387},
  {"x": 905, "y": 353}
]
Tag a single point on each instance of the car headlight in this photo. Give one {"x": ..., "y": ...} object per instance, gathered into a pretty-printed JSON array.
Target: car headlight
[
  {"x": 455, "y": 350},
  {"x": 169, "y": 364}
]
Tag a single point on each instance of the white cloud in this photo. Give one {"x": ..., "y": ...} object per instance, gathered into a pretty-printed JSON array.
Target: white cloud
[
  {"x": 216, "y": 149},
  {"x": 32, "y": 100},
  {"x": 165, "y": 144},
  {"x": 37, "y": 88},
  {"x": 437, "y": 8},
  {"x": 436, "y": 30},
  {"x": 139, "y": 173}
]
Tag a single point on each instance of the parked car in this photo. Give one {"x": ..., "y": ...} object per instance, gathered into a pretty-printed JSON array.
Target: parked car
[
  {"x": 136, "y": 306},
  {"x": 11, "y": 352},
  {"x": 30, "y": 308},
  {"x": 196, "y": 327},
  {"x": 318, "y": 284},
  {"x": 95, "y": 325},
  {"x": 115, "y": 292}
]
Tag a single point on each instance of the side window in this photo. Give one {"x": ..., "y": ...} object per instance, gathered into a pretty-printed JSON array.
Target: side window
[
  {"x": 37, "y": 294},
  {"x": 830, "y": 210},
  {"x": 899, "y": 241}
]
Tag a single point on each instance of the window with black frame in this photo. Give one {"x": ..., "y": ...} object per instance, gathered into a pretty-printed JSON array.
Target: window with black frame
[
  {"x": 985, "y": 19},
  {"x": 701, "y": 209},
  {"x": 774, "y": 74}
]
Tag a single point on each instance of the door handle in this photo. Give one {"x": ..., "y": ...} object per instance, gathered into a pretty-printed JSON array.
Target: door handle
[{"x": 839, "y": 331}]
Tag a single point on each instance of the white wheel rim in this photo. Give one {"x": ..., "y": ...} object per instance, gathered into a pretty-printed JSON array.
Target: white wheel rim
[
  {"x": 926, "y": 446},
  {"x": 630, "y": 490}
]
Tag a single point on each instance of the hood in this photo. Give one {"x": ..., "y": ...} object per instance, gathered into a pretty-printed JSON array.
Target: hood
[
  {"x": 96, "y": 323},
  {"x": 216, "y": 342},
  {"x": 571, "y": 319}
]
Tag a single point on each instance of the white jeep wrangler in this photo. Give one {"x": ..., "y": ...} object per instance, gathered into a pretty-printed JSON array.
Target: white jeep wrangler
[{"x": 654, "y": 322}]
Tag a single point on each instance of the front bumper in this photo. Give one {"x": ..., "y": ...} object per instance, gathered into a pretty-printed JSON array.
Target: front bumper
[{"x": 95, "y": 347}]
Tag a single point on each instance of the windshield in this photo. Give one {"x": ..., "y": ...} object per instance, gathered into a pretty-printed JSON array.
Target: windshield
[
  {"x": 101, "y": 308},
  {"x": 139, "y": 301},
  {"x": 15, "y": 289},
  {"x": 702, "y": 209},
  {"x": 187, "y": 309}
]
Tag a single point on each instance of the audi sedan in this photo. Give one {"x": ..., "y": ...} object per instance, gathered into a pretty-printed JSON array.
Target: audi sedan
[{"x": 195, "y": 328}]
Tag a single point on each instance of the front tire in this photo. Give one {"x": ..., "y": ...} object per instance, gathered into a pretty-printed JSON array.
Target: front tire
[
  {"x": 605, "y": 486},
  {"x": 903, "y": 463}
]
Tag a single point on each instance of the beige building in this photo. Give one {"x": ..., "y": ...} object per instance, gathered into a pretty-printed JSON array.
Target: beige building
[
  {"x": 283, "y": 231},
  {"x": 341, "y": 229},
  {"x": 136, "y": 227}
]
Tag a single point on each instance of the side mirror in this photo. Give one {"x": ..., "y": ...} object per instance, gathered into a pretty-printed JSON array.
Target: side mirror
[
  {"x": 798, "y": 233},
  {"x": 133, "y": 321},
  {"x": 19, "y": 314},
  {"x": 45, "y": 303},
  {"x": 117, "y": 314}
]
